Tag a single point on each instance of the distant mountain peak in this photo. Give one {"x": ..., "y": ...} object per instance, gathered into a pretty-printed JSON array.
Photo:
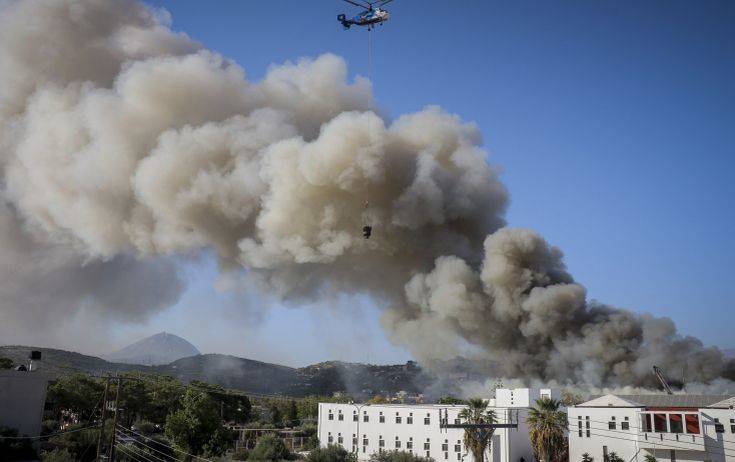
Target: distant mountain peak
[{"x": 158, "y": 349}]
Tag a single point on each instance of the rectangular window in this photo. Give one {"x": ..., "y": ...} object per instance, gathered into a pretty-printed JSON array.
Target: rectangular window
[
  {"x": 579, "y": 427},
  {"x": 588, "y": 433},
  {"x": 446, "y": 455},
  {"x": 647, "y": 426},
  {"x": 625, "y": 425},
  {"x": 381, "y": 418},
  {"x": 340, "y": 440},
  {"x": 457, "y": 421},
  {"x": 676, "y": 425},
  {"x": 381, "y": 442},
  {"x": 427, "y": 446},
  {"x": 445, "y": 447},
  {"x": 409, "y": 445},
  {"x": 459, "y": 456},
  {"x": 427, "y": 421},
  {"x": 364, "y": 441},
  {"x": 354, "y": 441},
  {"x": 331, "y": 416},
  {"x": 409, "y": 420},
  {"x": 457, "y": 448},
  {"x": 398, "y": 444},
  {"x": 659, "y": 423},
  {"x": 428, "y": 454},
  {"x": 604, "y": 454},
  {"x": 354, "y": 417},
  {"x": 732, "y": 425},
  {"x": 364, "y": 449},
  {"x": 340, "y": 416},
  {"x": 330, "y": 438},
  {"x": 673, "y": 456},
  {"x": 611, "y": 425},
  {"x": 398, "y": 419},
  {"x": 365, "y": 417}
]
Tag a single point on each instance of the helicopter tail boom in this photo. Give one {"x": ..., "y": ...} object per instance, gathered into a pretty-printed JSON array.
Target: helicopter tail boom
[{"x": 343, "y": 19}]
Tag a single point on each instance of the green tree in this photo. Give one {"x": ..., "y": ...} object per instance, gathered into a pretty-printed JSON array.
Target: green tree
[
  {"x": 234, "y": 406},
  {"x": 614, "y": 457},
  {"x": 269, "y": 447},
  {"x": 57, "y": 455},
  {"x": 397, "y": 456},
  {"x": 6, "y": 363},
  {"x": 196, "y": 428},
  {"x": 332, "y": 453},
  {"x": 477, "y": 439},
  {"x": 164, "y": 397},
  {"x": 547, "y": 425},
  {"x": 76, "y": 394},
  {"x": 293, "y": 414},
  {"x": 377, "y": 399},
  {"x": 587, "y": 458},
  {"x": 650, "y": 458},
  {"x": 82, "y": 444}
]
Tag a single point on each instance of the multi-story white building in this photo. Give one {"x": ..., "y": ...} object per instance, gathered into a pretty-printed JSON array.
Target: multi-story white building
[
  {"x": 672, "y": 428},
  {"x": 366, "y": 429}
]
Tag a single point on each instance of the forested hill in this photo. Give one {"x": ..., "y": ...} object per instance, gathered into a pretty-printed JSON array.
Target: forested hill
[{"x": 243, "y": 374}]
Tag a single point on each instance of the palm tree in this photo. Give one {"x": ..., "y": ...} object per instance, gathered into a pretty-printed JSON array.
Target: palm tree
[
  {"x": 477, "y": 439},
  {"x": 547, "y": 430}
]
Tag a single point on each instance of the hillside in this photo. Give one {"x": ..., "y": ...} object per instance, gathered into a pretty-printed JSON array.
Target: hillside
[
  {"x": 159, "y": 349},
  {"x": 326, "y": 378}
]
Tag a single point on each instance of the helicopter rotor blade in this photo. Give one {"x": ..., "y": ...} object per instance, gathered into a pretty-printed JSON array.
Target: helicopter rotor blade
[
  {"x": 359, "y": 5},
  {"x": 384, "y": 2}
]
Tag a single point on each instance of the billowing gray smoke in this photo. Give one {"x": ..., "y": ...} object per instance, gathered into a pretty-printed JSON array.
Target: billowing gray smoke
[{"x": 125, "y": 145}]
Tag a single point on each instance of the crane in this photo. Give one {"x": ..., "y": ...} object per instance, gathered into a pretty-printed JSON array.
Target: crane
[{"x": 660, "y": 376}]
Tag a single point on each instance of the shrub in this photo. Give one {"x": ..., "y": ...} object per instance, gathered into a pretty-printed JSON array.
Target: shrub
[
  {"x": 241, "y": 454},
  {"x": 397, "y": 456},
  {"x": 331, "y": 453},
  {"x": 269, "y": 447},
  {"x": 57, "y": 455}
]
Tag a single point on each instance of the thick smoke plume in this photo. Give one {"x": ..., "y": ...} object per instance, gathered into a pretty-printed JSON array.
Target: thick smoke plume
[{"x": 124, "y": 145}]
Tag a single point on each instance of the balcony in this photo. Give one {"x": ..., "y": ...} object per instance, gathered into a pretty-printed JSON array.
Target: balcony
[{"x": 680, "y": 441}]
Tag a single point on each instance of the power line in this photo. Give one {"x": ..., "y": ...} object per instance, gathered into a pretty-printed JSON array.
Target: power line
[
  {"x": 121, "y": 429},
  {"x": 151, "y": 455},
  {"x": 170, "y": 447},
  {"x": 46, "y": 436},
  {"x": 133, "y": 455}
]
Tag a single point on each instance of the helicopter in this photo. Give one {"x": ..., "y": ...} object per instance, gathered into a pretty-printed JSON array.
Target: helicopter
[{"x": 371, "y": 16}]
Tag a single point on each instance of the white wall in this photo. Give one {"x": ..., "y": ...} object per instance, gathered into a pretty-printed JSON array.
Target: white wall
[
  {"x": 508, "y": 445},
  {"x": 22, "y": 397}
]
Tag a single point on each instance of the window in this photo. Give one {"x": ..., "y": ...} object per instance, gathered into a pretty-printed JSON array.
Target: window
[
  {"x": 446, "y": 455},
  {"x": 647, "y": 425},
  {"x": 719, "y": 428},
  {"x": 330, "y": 438},
  {"x": 381, "y": 441},
  {"x": 579, "y": 427},
  {"x": 458, "y": 447},
  {"x": 364, "y": 441},
  {"x": 445, "y": 446},
  {"x": 611, "y": 424},
  {"x": 427, "y": 420},
  {"x": 625, "y": 425},
  {"x": 398, "y": 419},
  {"x": 459, "y": 456},
  {"x": 604, "y": 454},
  {"x": 427, "y": 446},
  {"x": 340, "y": 440},
  {"x": 673, "y": 456},
  {"x": 409, "y": 420},
  {"x": 676, "y": 425},
  {"x": 364, "y": 449},
  {"x": 398, "y": 443},
  {"x": 381, "y": 418},
  {"x": 354, "y": 441},
  {"x": 365, "y": 417},
  {"x": 692, "y": 423},
  {"x": 457, "y": 421},
  {"x": 331, "y": 416},
  {"x": 409, "y": 443},
  {"x": 354, "y": 416},
  {"x": 340, "y": 416},
  {"x": 659, "y": 423},
  {"x": 428, "y": 454}
]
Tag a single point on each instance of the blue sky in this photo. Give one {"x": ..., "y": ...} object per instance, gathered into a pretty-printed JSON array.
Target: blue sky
[{"x": 613, "y": 123}]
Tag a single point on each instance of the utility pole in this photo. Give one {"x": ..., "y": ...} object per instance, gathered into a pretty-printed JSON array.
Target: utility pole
[
  {"x": 114, "y": 421},
  {"x": 104, "y": 416}
]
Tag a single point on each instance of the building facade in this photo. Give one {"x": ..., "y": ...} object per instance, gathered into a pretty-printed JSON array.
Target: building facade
[
  {"x": 672, "y": 428},
  {"x": 22, "y": 398},
  {"x": 366, "y": 429}
]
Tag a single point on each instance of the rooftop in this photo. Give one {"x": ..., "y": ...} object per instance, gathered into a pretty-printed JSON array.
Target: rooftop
[{"x": 684, "y": 400}]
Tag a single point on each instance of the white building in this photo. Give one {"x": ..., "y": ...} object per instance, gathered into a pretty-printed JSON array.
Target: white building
[
  {"x": 22, "y": 397},
  {"x": 366, "y": 429},
  {"x": 673, "y": 428}
]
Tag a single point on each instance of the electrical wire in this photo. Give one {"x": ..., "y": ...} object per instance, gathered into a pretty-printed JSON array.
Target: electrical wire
[
  {"x": 124, "y": 449},
  {"x": 46, "y": 436},
  {"x": 170, "y": 458},
  {"x": 170, "y": 447},
  {"x": 120, "y": 429}
]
